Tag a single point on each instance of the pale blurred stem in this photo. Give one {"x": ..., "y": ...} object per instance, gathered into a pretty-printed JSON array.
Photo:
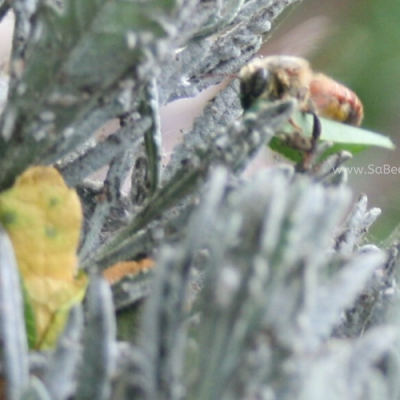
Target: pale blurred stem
[
  {"x": 173, "y": 278},
  {"x": 59, "y": 375},
  {"x": 98, "y": 343}
]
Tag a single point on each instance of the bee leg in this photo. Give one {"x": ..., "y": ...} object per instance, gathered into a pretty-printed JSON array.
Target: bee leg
[
  {"x": 306, "y": 163},
  {"x": 316, "y": 132},
  {"x": 316, "y": 123}
]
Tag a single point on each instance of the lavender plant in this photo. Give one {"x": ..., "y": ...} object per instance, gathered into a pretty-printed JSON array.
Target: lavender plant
[{"x": 260, "y": 290}]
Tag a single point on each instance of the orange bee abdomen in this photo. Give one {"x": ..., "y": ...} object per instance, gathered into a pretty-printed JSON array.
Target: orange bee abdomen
[{"x": 335, "y": 101}]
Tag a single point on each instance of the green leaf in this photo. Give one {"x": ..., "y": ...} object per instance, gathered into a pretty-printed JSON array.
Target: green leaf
[
  {"x": 344, "y": 137},
  {"x": 30, "y": 320}
]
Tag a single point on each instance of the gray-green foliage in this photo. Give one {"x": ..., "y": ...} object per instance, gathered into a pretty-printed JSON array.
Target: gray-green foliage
[{"x": 262, "y": 289}]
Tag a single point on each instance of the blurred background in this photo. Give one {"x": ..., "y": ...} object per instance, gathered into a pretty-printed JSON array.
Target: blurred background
[{"x": 354, "y": 41}]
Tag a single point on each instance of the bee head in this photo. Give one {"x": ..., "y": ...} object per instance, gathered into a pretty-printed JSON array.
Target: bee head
[{"x": 253, "y": 83}]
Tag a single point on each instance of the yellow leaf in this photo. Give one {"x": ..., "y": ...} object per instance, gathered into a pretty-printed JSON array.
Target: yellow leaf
[{"x": 43, "y": 218}]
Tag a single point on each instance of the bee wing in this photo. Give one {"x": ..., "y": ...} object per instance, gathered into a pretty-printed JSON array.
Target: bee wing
[{"x": 301, "y": 40}]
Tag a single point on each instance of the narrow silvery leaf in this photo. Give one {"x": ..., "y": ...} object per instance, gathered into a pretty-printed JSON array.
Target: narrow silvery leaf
[
  {"x": 12, "y": 324},
  {"x": 340, "y": 293},
  {"x": 153, "y": 138},
  {"x": 59, "y": 377},
  {"x": 35, "y": 391},
  {"x": 98, "y": 343},
  {"x": 357, "y": 224},
  {"x": 371, "y": 348}
]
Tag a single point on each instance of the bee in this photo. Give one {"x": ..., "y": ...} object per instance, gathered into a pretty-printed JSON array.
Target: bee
[{"x": 284, "y": 77}]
